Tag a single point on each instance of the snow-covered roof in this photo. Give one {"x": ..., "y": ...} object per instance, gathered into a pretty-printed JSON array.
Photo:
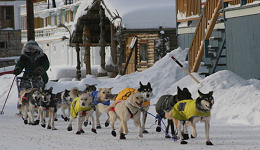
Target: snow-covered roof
[{"x": 136, "y": 14}]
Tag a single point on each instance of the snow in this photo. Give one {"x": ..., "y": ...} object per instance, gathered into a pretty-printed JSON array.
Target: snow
[
  {"x": 136, "y": 14},
  {"x": 235, "y": 117}
]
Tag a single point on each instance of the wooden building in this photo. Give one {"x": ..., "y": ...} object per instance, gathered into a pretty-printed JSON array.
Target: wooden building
[
  {"x": 221, "y": 34},
  {"x": 133, "y": 47}
]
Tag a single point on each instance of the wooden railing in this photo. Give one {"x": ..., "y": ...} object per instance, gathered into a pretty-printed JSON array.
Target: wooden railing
[
  {"x": 188, "y": 7},
  {"x": 203, "y": 32}
]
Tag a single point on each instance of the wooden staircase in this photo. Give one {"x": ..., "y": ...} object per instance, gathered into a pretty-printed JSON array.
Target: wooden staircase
[{"x": 203, "y": 32}]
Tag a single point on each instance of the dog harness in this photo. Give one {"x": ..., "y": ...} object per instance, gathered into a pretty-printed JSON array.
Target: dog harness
[
  {"x": 132, "y": 115},
  {"x": 185, "y": 109},
  {"x": 95, "y": 99},
  {"x": 75, "y": 108},
  {"x": 125, "y": 93}
]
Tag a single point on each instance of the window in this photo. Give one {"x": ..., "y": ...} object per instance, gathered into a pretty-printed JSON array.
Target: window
[
  {"x": 8, "y": 13},
  {"x": 3, "y": 45},
  {"x": 143, "y": 52}
]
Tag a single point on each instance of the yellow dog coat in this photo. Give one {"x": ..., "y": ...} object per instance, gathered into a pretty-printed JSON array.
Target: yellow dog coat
[
  {"x": 185, "y": 109},
  {"x": 75, "y": 107},
  {"x": 125, "y": 93}
]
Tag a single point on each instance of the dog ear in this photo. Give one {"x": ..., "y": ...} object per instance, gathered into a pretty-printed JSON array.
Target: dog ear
[
  {"x": 50, "y": 89},
  {"x": 179, "y": 89},
  {"x": 87, "y": 85},
  {"x": 110, "y": 88},
  {"x": 149, "y": 84},
  {"x": 211, "y": 93},
  {"x": 201, "y": 94},
  {"x": 140, "y": 83},
  {"x": 79, "y": 93}
]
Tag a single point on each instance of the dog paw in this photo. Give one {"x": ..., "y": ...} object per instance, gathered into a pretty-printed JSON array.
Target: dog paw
[
  {"x": 122, "y": 136},
  {"x": 78, "y": 132},
  {"x": 185, "y": 136},
  {"x": 37, "y": 122},
  {"x": 66, "y": 119},
  {"x": 48, "y": 127},
  {"x": 69, "y": 128},
  {"x": 85, "y": 123},
  {"x": 94, "y": 131},
  {"x": 145, "y": 131},
  {"x": 98, "y": 126},
  {"x": 184, "y": 142},
  {"x": 43, "y": 125},
  {"x": 158, "y": 129},
  {"x": 54, "y": 129},
  {"x": 106, "y": 123},
  {"x": 167, "y": 136},
  {"x": 141, "y": 135},
  {"x": 55, "y": 119},
  {"x": 82, "y": 131},
  {"x": 192, "y": 136},
  {"x": 113, "y": 133},
  {"x": 25, "y": 121},
  {"x": 209, "y": 143}
]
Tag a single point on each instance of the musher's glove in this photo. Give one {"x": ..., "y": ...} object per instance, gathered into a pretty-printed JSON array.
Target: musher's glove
[
  {"x": 17, "y": 71},
  {"x": 38, "y": 71}
]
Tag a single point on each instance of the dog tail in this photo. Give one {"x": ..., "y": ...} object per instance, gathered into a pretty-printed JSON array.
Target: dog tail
[
  {"x": 74, "y": 92},
  {"x": 103, "y": 108}
]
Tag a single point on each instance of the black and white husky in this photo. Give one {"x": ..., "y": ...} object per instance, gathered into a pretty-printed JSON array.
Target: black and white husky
[
  {"x": 193, "y": 111},
  {"x": 34, "y": 105},
  {"x": 147, "y": 92},
  {"x": 63, "y": 101},
  {"x": 47, "y": 102}
]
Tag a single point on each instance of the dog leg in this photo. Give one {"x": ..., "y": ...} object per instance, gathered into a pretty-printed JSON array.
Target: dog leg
[
  {"x": 193, "y": 127},
  {"x": 52, "y": 119},
  {"x": 41, "y": 112},
  {"x": 31, "y": 112},
  {"x": 207, "y": 126},
  {"x": 138, "y": 124},
  {"x": 69, "y": 128},
  {"x": 178, "y": 125},
  {"x": 37, "y": 121},
  {"x": 107, "y": 121},
  {"x": 98, "y": 114},
  {"x": 172, "y": 127},
  {"x": 24, "y": 111},
  {"x": 112, "y": 117},
  {"x": 120, "y": 131},
  {"x": 92, "y": 120},
  {"x": 158, "y": 128},
  {"x": 185, "y": 130},
  {"x": 167, "y": 129},
  {"x": 80, "y": 120},
  {"x": 143, "y": 122}
]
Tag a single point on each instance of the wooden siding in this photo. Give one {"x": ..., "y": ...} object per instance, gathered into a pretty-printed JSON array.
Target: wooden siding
[
  {"x": 243, "y": 46},
  {"x": 148, "y": 38}
]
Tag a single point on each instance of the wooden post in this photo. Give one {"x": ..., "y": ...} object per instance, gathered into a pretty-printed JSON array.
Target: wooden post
[
  {"x": 113, "y": 49},
  {"x": 30, "y": 20},
  {"x": 87, "y": 43},
  {"x": 78, "y": 62},
  {"x": 102, "y": 43}
]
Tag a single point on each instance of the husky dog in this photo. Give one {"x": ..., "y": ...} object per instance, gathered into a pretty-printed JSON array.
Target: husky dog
[
  {"x": 90, "y": 88},
  {"x": 47, "y": 102},
  {"x": 145, "y": 90},
  {"x": 34, "y": 105},
  {"x": 23, "y": 101},
  {"x": 100, "y": 96},
  {"x": 166, "y": 102},
  {"x": 63, "y": 101},
  {"x": 125, "y": 110},
  {"x": 80, "y": 107},
  {"x": 194, "y": 111}
]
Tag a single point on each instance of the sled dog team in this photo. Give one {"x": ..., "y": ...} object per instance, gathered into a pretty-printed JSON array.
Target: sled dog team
[{"x": 179, "y": 110}]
